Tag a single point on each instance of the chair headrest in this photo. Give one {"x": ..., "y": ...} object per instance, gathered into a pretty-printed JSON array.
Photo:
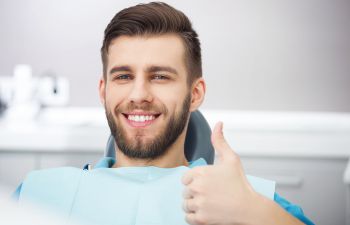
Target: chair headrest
[{"x": 197, "y": 143}]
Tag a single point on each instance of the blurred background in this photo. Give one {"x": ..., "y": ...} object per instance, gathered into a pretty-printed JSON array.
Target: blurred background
[
  {"x": 277, "y": 73},
  {"x": 257, "y": 55}
]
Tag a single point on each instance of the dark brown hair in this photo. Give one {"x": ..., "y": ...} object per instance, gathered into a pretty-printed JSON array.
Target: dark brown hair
[{"x": 155, "y": 18}]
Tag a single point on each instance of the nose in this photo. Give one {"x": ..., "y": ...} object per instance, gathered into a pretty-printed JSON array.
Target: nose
[{"x": 140, "y": 91}]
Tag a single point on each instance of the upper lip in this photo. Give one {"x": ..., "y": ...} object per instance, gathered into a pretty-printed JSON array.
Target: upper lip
[{"x": 142, "y": 113}]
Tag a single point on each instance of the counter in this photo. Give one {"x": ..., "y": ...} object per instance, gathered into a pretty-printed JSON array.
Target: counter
[{"x": 298, "y": 134}]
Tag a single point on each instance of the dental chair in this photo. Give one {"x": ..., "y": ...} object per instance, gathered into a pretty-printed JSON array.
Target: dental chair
[{"x": 197, "y": 143}]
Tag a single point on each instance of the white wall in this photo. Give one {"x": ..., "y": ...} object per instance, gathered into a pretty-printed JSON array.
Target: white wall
[{"x": 257, "y": 55}]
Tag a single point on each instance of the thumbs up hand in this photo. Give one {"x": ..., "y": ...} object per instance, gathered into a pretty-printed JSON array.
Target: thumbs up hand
[{"x": 220, "y": 193}]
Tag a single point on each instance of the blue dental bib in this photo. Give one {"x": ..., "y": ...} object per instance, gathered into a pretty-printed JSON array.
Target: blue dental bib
[{"x": 118, "y": 196}]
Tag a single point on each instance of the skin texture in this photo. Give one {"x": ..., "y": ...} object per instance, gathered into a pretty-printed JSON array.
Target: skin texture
[{"x": 216, "y": 194}]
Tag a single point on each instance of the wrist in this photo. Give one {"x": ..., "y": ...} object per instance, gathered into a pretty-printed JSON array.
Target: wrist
[
  {"x": 267, "y": 211},
  {"x": 256, "y": 209},
  {"x": 252, "y": 211}
]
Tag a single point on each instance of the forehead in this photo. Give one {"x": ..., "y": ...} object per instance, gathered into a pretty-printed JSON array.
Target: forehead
[{"x": 140, "y": 51}]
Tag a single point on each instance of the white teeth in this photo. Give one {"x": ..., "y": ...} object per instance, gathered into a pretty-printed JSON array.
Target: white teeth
[{"x": 142, "y": 118}]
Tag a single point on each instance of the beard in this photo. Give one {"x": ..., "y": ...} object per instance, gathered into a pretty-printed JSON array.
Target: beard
[{"x": 156, "y": 147}]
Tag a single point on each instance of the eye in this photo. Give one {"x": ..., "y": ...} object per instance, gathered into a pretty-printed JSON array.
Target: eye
[
  {"x": 123, "y": 77},
  {"x": 160, "y": 77}
]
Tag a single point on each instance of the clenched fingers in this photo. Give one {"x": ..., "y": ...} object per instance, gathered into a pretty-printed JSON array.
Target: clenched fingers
[
  {"x": 188, "y": 193},
  {"x": 190, "y": 205}
]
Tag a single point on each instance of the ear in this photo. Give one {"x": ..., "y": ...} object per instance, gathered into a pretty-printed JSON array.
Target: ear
[
  {"x": 102, "y": 90},
  {"x": 198, "y": 93}
]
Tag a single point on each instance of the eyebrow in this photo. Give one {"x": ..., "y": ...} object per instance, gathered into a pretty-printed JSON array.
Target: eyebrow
[
  {"x": 150, "y": 69},
  {"x": 169, "y": 69},
  {"x": 119, "y": 69}
]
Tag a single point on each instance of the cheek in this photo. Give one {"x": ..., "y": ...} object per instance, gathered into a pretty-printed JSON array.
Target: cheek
[
  {"x": 114, "y": 95},
  {"x": 173, "y": 101}
]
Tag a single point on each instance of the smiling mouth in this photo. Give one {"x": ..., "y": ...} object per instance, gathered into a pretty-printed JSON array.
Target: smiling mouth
[{"x": 140, "y": 119}]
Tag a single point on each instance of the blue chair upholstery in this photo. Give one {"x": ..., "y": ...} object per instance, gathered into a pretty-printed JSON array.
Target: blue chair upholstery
[{"x": 197, "y": 143}]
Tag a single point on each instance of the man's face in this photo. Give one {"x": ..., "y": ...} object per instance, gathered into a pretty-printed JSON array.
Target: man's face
[{"x": 146, "y": 95}]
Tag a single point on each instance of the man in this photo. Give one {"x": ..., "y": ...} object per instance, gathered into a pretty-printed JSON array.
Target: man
[{"x": 152, "y": 80}]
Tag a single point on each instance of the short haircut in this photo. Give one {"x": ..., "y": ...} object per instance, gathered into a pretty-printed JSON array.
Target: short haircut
[{"x": 155, "y": 18}]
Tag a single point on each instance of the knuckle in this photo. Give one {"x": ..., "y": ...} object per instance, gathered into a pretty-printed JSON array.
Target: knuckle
[
  {"x": 193, "y": 206},
  {"x": 199, "y": 202},
  {"x": 187, "y": 178},
  {"x": 235, "y": 159},
  {"x": 189, "y": 218},
  {"x": 200, "y": 171},
  {"x": 195, "y": 190},
  {"x": 197, "y": 187},
  {"x": 186, "y": 193},
  {"x": 200, "y": 219}
]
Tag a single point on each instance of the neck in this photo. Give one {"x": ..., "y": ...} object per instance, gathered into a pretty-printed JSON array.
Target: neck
[{"x": 173, "y": 157}]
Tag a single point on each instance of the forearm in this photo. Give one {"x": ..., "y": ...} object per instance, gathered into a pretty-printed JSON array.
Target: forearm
[{"x": 266, "y": 211}]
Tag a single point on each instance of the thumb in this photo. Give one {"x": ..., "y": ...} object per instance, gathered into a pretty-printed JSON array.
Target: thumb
[{"x": 222, "y": 148}]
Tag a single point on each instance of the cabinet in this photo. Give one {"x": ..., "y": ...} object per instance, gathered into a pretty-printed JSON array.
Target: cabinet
[
  {"x": 14, "y": 166},
  {"x": 316, "y": 184}
]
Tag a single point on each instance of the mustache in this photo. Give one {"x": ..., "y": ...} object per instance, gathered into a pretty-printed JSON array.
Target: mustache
[{"x": 145, "y": 106}]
